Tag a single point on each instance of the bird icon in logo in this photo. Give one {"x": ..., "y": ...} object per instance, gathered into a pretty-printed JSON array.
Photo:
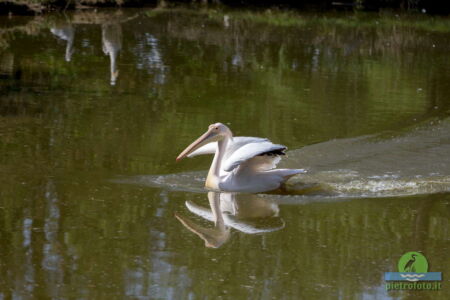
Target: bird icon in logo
[{"x": 409, "y": 267}]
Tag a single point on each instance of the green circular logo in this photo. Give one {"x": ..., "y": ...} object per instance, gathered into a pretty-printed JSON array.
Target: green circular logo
[{"x": 413, "y": 262}]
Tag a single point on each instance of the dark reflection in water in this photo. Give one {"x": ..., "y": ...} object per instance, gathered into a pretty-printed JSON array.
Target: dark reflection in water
[{"x": 68, "y": 231}]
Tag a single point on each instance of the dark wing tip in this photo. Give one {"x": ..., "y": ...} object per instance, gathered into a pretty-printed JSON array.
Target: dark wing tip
[{"x": 275, "y": 152}]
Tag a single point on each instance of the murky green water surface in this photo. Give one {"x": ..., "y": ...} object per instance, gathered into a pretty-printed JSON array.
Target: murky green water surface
[{"x": 95, "y": 106}]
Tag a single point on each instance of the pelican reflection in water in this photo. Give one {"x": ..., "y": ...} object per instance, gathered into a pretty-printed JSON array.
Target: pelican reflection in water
[
  {"x": 240, "y": 164},
  {"x": 66, "y": 32},
  {"x": 249, "y": 214},
  {"x": 112, "y": 44}
]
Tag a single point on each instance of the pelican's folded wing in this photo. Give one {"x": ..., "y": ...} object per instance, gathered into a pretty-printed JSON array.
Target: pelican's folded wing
[
  {"x": 249, "y": 151},
  {"x": 236, "y": 143}
]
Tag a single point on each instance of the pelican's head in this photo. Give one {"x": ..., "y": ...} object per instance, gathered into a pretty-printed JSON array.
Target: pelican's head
[{"x": 215, "y": 132}]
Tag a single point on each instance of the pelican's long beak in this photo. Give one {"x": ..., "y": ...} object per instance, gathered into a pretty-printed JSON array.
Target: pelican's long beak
[{"x": 207, "y": 137}]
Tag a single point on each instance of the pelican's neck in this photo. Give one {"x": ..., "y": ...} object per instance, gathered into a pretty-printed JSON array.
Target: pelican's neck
[{"x": 212, "y": 181}]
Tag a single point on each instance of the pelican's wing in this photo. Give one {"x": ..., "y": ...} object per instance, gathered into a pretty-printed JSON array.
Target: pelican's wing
[
  {"x": 252, "y": 150},
  {"x": 241, "y": 141},
  {"x": 262, "y": 162},
  {"x": 236, "y": 143},
  {"x": 206, "y": 149}
]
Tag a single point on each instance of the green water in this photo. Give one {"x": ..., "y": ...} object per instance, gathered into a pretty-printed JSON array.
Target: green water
[{"x": 95, "y": 106}]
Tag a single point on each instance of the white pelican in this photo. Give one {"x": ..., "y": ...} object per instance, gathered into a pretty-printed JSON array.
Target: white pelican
[{"x": 240, "y": 164}]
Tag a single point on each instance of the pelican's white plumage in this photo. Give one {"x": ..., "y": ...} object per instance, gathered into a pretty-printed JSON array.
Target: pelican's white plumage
[
  {"x": 240, "y": 164},
  {"x": 251, "y": 151}
]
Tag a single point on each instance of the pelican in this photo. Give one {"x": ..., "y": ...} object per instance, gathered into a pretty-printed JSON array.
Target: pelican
[{"x": 240, "y": 164}]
